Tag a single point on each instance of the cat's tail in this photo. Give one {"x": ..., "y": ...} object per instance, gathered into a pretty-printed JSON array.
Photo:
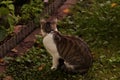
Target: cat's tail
[{"x": 74, "y": 70}]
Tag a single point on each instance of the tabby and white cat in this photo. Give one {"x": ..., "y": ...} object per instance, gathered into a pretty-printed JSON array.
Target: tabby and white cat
[{"x": 69, "y": 53}]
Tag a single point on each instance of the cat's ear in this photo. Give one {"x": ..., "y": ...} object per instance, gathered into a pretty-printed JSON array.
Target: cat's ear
[
  {"x": 54, "y": 24},
  {"x": 42, "y": 21},
  {"x": 55, "y": 20}
]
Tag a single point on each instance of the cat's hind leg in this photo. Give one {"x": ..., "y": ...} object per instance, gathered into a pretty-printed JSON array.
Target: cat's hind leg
[
  {"x": 61, "y": 63},
  {"x": 68, "y": 68}
]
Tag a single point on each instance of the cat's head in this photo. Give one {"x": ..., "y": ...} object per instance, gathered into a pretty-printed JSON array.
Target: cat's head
[{"x": 48, "y": 25}]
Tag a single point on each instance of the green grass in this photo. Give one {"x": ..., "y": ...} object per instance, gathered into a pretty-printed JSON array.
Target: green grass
[
  {"x": 36, "y": 65},
  {"x": 98, "y": 26}
]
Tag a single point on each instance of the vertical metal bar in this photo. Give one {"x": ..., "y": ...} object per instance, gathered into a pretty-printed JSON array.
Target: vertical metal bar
[
  {"x": 6, "y": 46},
  {"x": 13, "y": 42},
  {"x": 1, "y": 51},
  {"x": 4, "y": 50}
]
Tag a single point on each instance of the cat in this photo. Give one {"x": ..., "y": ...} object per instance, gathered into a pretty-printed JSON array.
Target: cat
[{"x": 69, "y": 53}]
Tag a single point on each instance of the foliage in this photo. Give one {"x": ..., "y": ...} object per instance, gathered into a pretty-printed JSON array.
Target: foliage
[
  {"x": 7, "y": 18},
  {"x": 32, "y": 10},
  {"x": 98, "y": 25},
  {"x": 34, "y": 65},
  {"x": 28, "y": 66}
]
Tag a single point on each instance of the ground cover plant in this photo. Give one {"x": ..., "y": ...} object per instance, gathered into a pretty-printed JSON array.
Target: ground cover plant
[
  {"x": 99, "y": 26},
  {"x": 7, "y": 18},
  {"x": 15, "y": 12}
]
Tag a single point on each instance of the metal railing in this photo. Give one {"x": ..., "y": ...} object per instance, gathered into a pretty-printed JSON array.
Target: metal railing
[
  {"x": 16, "y": 39},
  {"x": 50, "y": 10},
  {"x": 27, "y": 29}
]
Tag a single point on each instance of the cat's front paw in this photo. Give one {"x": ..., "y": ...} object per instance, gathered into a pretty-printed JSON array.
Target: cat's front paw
[{"x": 53, "y": 68}]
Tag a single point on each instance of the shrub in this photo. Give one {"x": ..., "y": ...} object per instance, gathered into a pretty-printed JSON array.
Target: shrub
[
  {"x": 98, "y": 24},
  {"x": 7, "y": 18}
]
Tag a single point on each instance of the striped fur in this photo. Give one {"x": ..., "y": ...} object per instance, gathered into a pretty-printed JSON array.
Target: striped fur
[
  {"x": 69, "y": 53},
  {"x": 74, "y": 51}
]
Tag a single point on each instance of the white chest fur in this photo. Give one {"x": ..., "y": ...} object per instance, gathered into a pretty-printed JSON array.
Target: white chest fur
[
  {"x": 50, "y": 45},
  {"x": 52, "y": 49}
]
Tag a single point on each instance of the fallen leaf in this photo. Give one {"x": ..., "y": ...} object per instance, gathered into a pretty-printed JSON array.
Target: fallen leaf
[
  {"x": 17, "y": 29},
  {"x": 8, "y": 78},
  {"x": 66, "y": 10},
  {"x": 1, "y": 60},
  {"x": 14, "y": 50},
  {"x": 113, "y": 5},
  {"x": 41, "y": 67}
]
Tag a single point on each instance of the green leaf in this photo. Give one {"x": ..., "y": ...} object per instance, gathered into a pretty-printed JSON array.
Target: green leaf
[
  {"x": 3, "y": 11},
  {"x": 11, "y": 8},
  {"x": 3, "y": 33},
  {"x": 6, "y": 2}
]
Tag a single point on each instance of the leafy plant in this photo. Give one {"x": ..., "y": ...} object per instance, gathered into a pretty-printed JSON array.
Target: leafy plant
[
  {"x": 32, "y": 10},
  {"x": 7, "y": 18},
  {"x": 98, "y": 26}
]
